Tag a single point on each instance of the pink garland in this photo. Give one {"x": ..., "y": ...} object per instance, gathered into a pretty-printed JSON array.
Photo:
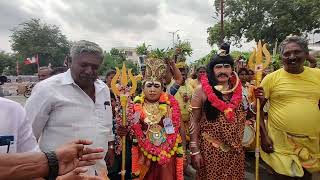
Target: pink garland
[
  {"x": 171, "y": 138},
  {"x": 227, "y": 108}
]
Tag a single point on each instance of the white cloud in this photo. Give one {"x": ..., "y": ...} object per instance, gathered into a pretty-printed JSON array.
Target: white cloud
[{"x": 113, "y": 23}]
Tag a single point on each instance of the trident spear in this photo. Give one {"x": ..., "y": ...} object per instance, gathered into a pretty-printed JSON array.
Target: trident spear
[
  {"x": 123, "y": 91},
  {"x": 256, "y": 64}
]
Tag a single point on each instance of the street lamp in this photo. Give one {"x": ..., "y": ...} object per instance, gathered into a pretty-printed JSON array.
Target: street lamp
[{"x": 173, "y": 33}]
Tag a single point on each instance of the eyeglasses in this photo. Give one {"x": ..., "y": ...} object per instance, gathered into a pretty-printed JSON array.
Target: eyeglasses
[{"x": 219, "y": 66}]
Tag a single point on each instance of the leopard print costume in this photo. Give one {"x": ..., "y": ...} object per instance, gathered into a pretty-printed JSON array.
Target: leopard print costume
[{"x": 221, "y": 165}]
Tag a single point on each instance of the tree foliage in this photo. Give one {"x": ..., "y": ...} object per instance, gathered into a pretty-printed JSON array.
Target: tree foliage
[
  {"x": 204, "y": 60},
  {"x": 160, "y": 53},
  {"x": 269, "y": 20},
  {"x": 143, "y": 49},
  {"x": 275, "y": 64},
  {"x": 33, "y": 37},
  {"x": 7, "y": 64},
  {"x": 181, "y": 48},
  {"x": 184, "y": 48},
  {"x": 215, "y": 31}
]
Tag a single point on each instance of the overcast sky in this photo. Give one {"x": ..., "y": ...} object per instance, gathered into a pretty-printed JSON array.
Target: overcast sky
[
  {"x": 114, "y": 23},
  {"x": 117, "y": 23}
]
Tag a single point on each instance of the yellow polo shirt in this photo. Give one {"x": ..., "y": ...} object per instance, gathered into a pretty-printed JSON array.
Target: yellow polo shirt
[{"x": 293, "y": 121}]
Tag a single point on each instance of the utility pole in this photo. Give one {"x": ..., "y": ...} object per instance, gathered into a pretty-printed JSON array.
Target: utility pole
[
  {"x": 222, "y": 29},
  {"x": 173, "y": 33}
]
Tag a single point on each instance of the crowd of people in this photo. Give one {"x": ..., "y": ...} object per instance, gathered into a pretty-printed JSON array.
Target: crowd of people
[{"x": 176, "y": 121}]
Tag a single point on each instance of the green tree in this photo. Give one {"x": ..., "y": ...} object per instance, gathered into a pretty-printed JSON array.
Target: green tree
[
  {"x": 236, "y": 54},
  {"x": 204, "y": 60},
  {"x": 214, "y": 34},
  {"x": 118, "y": 55},
  {"x": 276, "y": 62},
  {"x": 33, "y": 37},
  {"x": 7, "y": 63},
  {"x": 269, "y": 20},
  {"x": 184, "y": 48},
  {"x": 143, "y": 49},
  {"x": 131, "y": 65},
  {"x": 107, "y": 64},
  {"x": 158, "y": 53}
]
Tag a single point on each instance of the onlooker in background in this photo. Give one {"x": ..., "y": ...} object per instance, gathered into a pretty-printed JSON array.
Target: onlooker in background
[
  {"x": 243, "y": 76},
  {"x": 196, "y": 82},
  {"x": 44, "y": 73},
  {"x": 312, "y": 60},
  {"x": 251, "y": 78},
  {"x": 110, "y": 74}
]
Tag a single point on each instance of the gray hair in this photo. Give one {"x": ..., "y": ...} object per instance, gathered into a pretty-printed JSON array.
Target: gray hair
[
  {"x": 84, "y": 46},
  {"x": 302, "y": 42},
  {"x": 45, "y": 68}
]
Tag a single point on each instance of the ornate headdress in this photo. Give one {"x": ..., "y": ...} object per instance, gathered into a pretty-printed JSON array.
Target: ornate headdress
[
  {"x": 180, "y": 59},
  {"x": 155, "y": 69},
  {"x": 181, "y": 65}
]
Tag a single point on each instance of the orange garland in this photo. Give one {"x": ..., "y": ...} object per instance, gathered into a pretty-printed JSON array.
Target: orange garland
[
  {"x": 135, "y": 160},
  {"x": 179, "y": 160},
  {"x": 179, "y": 168}
]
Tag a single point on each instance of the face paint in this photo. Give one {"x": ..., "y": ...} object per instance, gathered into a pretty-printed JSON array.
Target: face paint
[
  {"x": 152, "y": 90},
  {"x": 222, "y": 72}
]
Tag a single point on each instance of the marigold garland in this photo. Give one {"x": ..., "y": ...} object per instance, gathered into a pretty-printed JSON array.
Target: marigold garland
[
  {"x": 135, "y": 160},
  {"x": 227, "y": 108},
  {"x": 179, "y": 162}
]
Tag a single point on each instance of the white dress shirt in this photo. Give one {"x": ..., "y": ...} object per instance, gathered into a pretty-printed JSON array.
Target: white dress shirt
[
  {"x": 15, "y": 130},
  {"x": 62, "y": 112}
]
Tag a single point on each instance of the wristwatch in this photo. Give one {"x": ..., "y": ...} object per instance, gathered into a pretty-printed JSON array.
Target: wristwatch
[
  {"x": 110, "y": 147},
  {"x": 53, "y": 164}
]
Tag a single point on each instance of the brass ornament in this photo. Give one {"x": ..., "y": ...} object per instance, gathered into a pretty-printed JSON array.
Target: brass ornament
[{"x": 155, "y": 70}]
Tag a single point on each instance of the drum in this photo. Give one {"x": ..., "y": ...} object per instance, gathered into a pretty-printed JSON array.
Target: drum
[{"x": 248, "y": 136}]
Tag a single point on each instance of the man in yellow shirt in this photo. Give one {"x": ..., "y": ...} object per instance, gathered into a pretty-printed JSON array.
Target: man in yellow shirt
[
  {"x": 196, "y": 82},
  {"x": 183, "y": 95},
  {"x": 291, "y": 140}
]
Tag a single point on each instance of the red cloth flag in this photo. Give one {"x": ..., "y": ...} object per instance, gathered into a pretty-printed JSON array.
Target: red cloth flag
[{"x": 32, "y": 60}]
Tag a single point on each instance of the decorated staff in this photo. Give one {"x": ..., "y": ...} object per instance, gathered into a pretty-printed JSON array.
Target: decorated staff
[
  {"x": 123, "y": 91},
  {"x": 256, "y": 63}
]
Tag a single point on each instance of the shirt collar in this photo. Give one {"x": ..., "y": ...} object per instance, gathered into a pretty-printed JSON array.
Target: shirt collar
[
  {"x": 99, "y": 85},
  {"x": 67, "y": 79}
]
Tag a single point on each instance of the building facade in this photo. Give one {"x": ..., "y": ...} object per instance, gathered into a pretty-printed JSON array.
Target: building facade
[{"x": 131, "y": 54}]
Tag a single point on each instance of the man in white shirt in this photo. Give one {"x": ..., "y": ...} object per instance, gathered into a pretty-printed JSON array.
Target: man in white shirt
[
  {"x": 74, "y": 104},
  {"x": 15, "y": 131},
  {"x": 16, "y": 137}
]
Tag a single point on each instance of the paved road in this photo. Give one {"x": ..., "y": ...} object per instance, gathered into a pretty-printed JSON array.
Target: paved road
[
  {"x": 250, "y": 161},
  {"x": 19, "y": 99}
]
